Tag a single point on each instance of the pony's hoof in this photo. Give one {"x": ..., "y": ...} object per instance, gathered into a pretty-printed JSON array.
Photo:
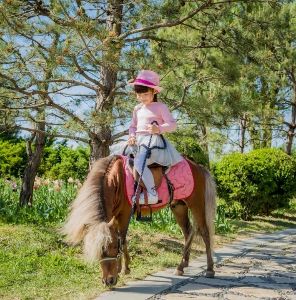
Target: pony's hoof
[
  {"x": 178, "y": 272},
  {"x": 210, "y": 274}
]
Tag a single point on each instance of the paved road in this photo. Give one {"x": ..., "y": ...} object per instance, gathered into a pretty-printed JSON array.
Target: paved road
[{"x": 263, "y": 267}]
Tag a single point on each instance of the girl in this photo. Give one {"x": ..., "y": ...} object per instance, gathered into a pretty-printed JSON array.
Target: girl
[{"x": 143, "y": 125}]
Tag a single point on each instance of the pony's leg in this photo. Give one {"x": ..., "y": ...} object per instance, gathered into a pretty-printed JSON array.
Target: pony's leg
[
  {"x": 123, "y": 221},
  {"x": 126, "y": 257},
  {"x": 200, "y": 221},
  {"x": 180, "y": 211}
]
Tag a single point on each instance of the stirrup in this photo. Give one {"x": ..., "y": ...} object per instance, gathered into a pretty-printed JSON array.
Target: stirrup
[{"x": 144, "y": 218}]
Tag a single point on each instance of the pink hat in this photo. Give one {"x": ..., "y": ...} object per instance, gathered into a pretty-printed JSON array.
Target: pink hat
[{"x": 147, "y": 78}]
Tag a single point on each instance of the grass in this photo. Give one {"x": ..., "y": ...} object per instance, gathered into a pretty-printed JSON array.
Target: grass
[
  {"x": 279, "y": 219},
  {"x": 35, "y": 263}
]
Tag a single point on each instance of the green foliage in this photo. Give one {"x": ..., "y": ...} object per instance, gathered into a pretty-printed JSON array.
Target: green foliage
[
  {"x": 232, "y": 210},
  {"x": 59, "y": 162},
  {"x": 222, "y": 224},
  {"x": 260, "y": 181},
  {"x": 187, "y": 144},
  {"x": 62, "y": 162},
  {"x": 226, "y": 213},
  {"x": 12, "y": 158},
  {"x": 50, "y": 203},
  {"x": 162, "y": 220},
  {"x": 9, "y": 136}
]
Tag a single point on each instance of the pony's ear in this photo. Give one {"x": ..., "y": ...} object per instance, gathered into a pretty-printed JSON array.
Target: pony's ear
[{"x": 113, "y": 222}]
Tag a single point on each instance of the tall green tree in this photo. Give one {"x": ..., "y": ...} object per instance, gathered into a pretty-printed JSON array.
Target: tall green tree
[
  {"x": 225, "y": 80},
  {"x": 66, "y": 64},
  {"x": 101, "y": 44},
  {"x": 272, "y": 30},
  {"x": 203, "y": 64}
]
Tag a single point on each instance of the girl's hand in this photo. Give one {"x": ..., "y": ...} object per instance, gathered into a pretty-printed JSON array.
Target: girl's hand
[
  {"x": 153, "y": 129},
  {"x": 131, "y": 141}
]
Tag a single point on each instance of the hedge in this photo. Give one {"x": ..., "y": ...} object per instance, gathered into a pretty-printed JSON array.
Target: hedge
[
  {"x": 13, "y": 158},
  {"x": 62, "y": 163},
  {"x": 261, "y": 180}
]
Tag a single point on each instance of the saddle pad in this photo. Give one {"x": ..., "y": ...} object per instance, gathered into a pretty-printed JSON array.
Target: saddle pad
[{"x": 180, "y": 176}]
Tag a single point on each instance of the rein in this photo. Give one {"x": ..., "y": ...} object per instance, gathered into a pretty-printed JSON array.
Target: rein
[{"x": 148, "y": 154}]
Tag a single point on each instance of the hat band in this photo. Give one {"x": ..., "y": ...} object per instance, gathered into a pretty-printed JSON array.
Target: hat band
[{"x": 144, "y": 82}]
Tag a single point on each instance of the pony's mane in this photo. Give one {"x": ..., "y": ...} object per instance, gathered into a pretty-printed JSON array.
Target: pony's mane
[
  {"x": 88, "y": 211},
  {"x": 103, "y": 168}
]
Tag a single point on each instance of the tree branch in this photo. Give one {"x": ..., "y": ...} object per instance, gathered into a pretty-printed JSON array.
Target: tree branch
[
  {"x": 51, "y": 134},
  {"x": 71, "y": 81},
  {"x": 119, "y": 135},
  {"x": 22, "y": 107},
  {"x": 82, "y": 72},
  {"x": 168, "y": 24},
  {"x": 183, "y": 97},
  {"x": 68, "y": 113}
]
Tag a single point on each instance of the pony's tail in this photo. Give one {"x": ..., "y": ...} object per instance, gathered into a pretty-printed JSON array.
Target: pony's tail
[{"x": 210, "y": 205}]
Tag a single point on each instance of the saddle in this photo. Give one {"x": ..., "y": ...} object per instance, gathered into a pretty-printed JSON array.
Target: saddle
[
  {"x": 158, "y": 172},
  {"x": 179, "y": 177}
]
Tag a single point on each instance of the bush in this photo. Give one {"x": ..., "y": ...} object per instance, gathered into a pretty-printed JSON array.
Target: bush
[
  {"x": 13, "y": 158},
  {"x": 62, "y": 162},
  {"x": 260, "y": 181},
  {"x": 232, "y": 210},
  {"x": 58, "y": 162}
]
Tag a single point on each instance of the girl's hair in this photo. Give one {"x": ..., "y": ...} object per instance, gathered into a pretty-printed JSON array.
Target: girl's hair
[{"x": 139, "y": 89}]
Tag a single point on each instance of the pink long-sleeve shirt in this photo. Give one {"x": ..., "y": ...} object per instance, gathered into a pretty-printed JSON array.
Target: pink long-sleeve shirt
[{"x": 143, "y": 115}]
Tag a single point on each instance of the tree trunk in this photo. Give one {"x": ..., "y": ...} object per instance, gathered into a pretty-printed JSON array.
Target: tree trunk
[
  {"x": 292, "y": 126},
  {"x": 254, "y": 137},
  {"x": 99, "y": 146},
  {"x": 266, "y": 136},
  {"x": 35, "y": 156},
  {"x": 205, "y": 144},
  {"x": 290, "y": 138},
  {"x": 268, "y": 115},
  {"x": 100, "y": 140},
  {"x": 243, "y": 126}
]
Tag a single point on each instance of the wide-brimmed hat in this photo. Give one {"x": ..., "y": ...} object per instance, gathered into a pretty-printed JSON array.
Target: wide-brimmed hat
[{"x": 147, "y": 78}]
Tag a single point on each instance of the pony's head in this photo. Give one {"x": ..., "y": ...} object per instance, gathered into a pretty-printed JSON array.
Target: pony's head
[{"x": 110, "y": 256}]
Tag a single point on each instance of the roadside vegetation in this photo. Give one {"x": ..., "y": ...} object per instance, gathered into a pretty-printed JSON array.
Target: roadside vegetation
[{"x": 35, "y": 263}]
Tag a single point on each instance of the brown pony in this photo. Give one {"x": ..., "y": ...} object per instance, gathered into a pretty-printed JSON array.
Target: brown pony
[{"x": 100, "y": 216}]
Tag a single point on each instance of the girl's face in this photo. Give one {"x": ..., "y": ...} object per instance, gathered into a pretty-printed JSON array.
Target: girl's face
[{"x": 146, "y": 97}]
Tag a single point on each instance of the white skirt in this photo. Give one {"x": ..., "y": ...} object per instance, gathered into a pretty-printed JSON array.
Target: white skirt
[{"x": 165, "y": 157}]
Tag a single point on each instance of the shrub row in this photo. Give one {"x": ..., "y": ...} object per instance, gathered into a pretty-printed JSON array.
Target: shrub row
[
  {"x": 62, "y": 162},
  {"x": 249, "y": 184},
  {"x": 13, "y": 158},
  {"x": 260, "y": 181},
  {"x": 59, "y": 161}
]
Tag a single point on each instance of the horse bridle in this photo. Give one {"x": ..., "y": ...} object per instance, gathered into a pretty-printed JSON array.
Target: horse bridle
[{"x": 119, "y": 249}]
